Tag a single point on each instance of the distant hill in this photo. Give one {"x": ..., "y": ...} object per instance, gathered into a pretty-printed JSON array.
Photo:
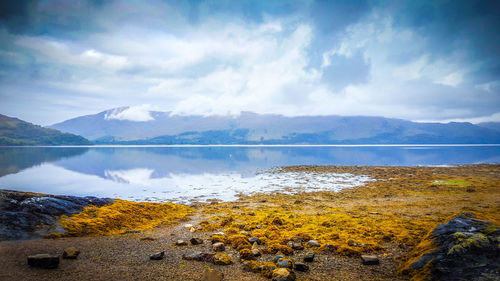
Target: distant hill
[
  {"x": 17, "y": 132},
  {"x": 490, "y": 125},
  {"x": 113, "y": 127}
]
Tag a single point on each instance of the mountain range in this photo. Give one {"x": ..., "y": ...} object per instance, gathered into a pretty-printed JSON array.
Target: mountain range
[
  {"x": 14, "y": 131},
  {"x": 126, "y": 125}
]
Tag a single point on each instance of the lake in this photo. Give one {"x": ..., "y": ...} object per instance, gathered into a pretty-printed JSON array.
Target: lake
[{"x": 191, "y": 173}]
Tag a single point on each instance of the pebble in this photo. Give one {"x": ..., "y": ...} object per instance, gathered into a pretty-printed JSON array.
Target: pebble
[
  {"x": 256, "y": 252},
  {"x": 313, "y": 243},
  {"x": 199, "y": 256},
  {"x": 277, "y": 257},
  {"x": 180, "y": 243},
  {"x": 44, "y": 261},
  {"x": 254, "y": 240},
  {"x": 296, "y": 245},
  {"x": 70, "y": 253},
  {"x": 196, "y": 241},
  {"x": 283, "y": 274},
  {"x": 370, "y": 260},
  {"x": 255, "y": 246},
  {"x": 219, "y": 247},
  {"x": 157, "y": 256},
  {"x": 285, "y": 263},
  {"x": 212, "y": 275},
  {"x": 300, "y": 266},
  {"x": 309, "y": 257}
]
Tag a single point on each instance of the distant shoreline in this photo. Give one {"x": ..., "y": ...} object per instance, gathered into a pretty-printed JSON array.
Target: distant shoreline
[{"x": 262, "y": 145}]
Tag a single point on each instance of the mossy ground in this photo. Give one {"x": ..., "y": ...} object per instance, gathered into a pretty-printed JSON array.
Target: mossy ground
[
  {"x": 120, "y": 216},
  {"x": 389, "y": 216},
  {"x": 397, "y": 210}
]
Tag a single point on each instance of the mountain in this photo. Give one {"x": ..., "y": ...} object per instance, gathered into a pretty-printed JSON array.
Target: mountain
[
  {"x": 126, "y": 125},
  {"x": 17, "y": 132},
  {"x": 490, "y": 125}
]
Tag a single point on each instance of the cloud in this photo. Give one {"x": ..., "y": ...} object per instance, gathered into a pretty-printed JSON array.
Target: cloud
[
  {"x": 421, "y": 60},
  {"x": 140, "y": 113}
]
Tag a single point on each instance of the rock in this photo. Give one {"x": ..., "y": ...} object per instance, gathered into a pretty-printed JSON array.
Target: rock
[
  {"x": 313, "y": 243},
  {"x": 351, "y": 243},
  {"x": 180, "y": 243},
  {"x": 300, "y": 266},
  {"x": 70, "y": 253},
  {"x": 222, "y": 259},
  {"x": 286, "y": 263},
  {"x": 255, "y": 246},
  {"x": 277, "y": 221},
  {"x": 296, "y": 245},
  {"x": 466, "y": 248},
  {"x": 157, "y": 256},
  {"x": 254, "y": 240},
  {"x": 21, "y": 213},
  {"x": 219, "y": 247},
  {"x": 277, "y": 257},
  {"x": 259, "y": 226},
  {"x": 188, "y": 225},
  {"x": 199, "y": 256},
  {"x": 251, "y": 266},
  {"x": 370, "y": 259},
  {"x": 148, "y": 239},
  {"x": 309, "y": 257},
  {"x": 330, "y": 248},
  {"x": 196, "y": 241},
  {"x": 256, "y": 252},
  {"x": 44, "y": 261},
  {"x": 212, "y": 275},
  {"x": 246, "y": 254},
  {"x": 283, "y": 274},
  {"x": 192, "y": 229}
]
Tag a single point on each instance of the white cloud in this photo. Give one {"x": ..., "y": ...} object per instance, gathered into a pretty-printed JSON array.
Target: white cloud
[{"x": 139, "y": 113}]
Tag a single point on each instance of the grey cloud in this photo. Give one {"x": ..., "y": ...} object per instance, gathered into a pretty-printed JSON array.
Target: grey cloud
[{"x": 344, "y": 71}]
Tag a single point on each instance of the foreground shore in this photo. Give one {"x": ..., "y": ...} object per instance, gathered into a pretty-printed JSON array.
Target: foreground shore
[{"x": 388, "y": 217}]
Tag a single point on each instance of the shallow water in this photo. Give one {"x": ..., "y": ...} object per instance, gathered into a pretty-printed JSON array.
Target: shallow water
[{"x": 182, "y": 174}]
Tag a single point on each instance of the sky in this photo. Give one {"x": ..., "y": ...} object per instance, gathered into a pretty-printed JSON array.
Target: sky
[{"x": 416, "y": 60}]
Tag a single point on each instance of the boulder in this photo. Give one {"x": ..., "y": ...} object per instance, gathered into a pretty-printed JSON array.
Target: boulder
[
  {"x": 44, "y": 261},
  {"x": 465, "y": 248}
]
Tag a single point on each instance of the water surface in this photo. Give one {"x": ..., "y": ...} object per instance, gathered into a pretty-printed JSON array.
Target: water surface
[{"x": 181, "y": 174}]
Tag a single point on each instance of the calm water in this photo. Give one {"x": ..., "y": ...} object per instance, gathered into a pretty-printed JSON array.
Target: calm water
[{"x": 182, "y": 174}]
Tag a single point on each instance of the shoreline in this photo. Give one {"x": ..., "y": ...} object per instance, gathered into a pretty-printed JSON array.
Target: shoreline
[{"x": 387, "y": 217}]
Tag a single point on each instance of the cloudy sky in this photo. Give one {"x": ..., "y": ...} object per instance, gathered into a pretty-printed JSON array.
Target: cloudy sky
[{"x": 417, "y": 60}]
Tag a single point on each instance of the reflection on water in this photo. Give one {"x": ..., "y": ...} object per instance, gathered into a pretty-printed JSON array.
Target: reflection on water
[{"x": 184, "y": 173}]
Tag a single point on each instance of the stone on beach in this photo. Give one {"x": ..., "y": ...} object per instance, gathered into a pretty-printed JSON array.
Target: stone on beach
[
  {"x": 181, "y": 243},
  {"x": 300, "y": 266},
  {"x": 157, "y": 256},
  {"x": 43, "y": 261},
  {"x": 309, "y": 257},
  {"x": 283, "y": 274},
  {"x": 218, "y": 247},
  {"x": 370, "y": 260},
  {"x": 196, "y": 241},
  {"x": 313, "y": 243},
  {"x": 199, "y": 256},
  {"x": 70, "y": 253}
]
